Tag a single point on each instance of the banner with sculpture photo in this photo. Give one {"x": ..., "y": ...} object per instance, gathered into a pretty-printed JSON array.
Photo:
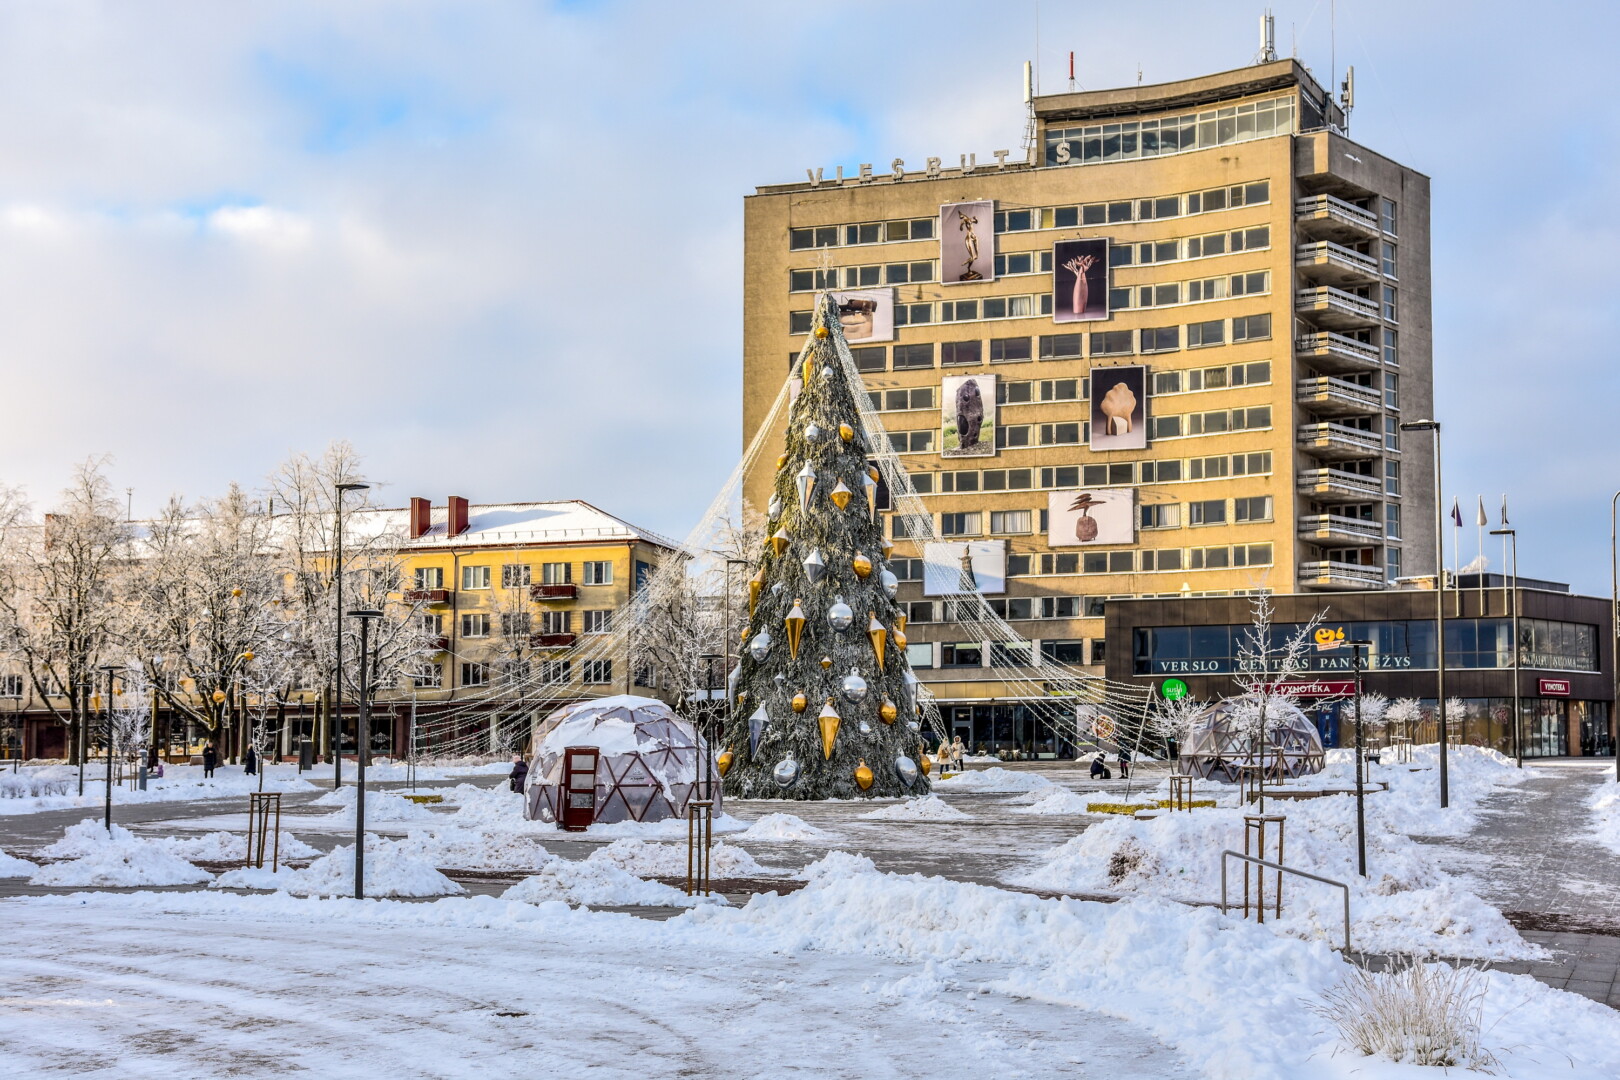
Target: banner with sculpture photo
[
  {"x": 1079, "y": 280},
  {"x": 1091, "y": 518},
  {"x": 967, "y": 244},
  {"x": 967, "y": 416},
  {"x": 866, "y": 315},
  {"x": 1119, "y": 408},
  {"x": 946, "y": 564}
]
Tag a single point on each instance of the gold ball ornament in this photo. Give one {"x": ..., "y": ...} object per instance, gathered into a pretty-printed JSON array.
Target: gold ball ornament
[
  {"x": 821, "y": 333},
  {"x": 236, "y": 591},
  {"x": 862, "y": 565},
  {"x": 888, "y": 710},
  {"x": 781, "y": 460},
  {"x": 723, "y": 763},
  {"x": 219, "y": 697},
  {"x": 248, "y": 656},
  {"x": 927, "y": 765},
  {"x": 846, "y": 433},
  {"x": 863, "y": 775},
  {"x": 800, "y": 703}
]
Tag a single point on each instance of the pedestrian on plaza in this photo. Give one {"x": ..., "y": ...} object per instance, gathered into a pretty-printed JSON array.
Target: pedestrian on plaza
[
  {"x": 210, "y": 760},
  {"x": 1124, "y": 763},
  {"x": 250, "y": 763},
  {"x": 520, "y": 773},
  {"x": 958, "y": 752},
  {"x": 151, "y": 757},
  {"x": 1099, "y": 768}
]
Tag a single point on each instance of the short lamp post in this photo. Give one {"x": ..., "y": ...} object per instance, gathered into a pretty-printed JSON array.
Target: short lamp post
[
  {"x": 1359, "y": 662},
  {"x": 366, "y": 616},
  {"x": 107, "y": 714},
  {"x": 1518, "y": 749},
  {"x": 1439, "y": 607}
]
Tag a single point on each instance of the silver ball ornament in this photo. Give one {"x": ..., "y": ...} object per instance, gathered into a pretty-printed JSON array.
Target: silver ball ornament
[
  {"x": 786, "y": 771},
  {"x": 840, "y": 616},
  {"x": 854, "y": 686},
  {"x": 891, "y": 584},
  {"x": 759, "y": 646},
  {"x": 907, "y": 770}
]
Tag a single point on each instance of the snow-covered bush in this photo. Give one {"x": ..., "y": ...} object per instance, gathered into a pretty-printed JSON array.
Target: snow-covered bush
[{"x": 1420, "y": 1014}]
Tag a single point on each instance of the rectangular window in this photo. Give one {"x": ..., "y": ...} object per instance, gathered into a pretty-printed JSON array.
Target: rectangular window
[
  {"x": 474, "y": 674},
  {"x": 597, "y": 573},
  {"x": 1018, "y": 565},
  {"x": 1253, "y": 508},
  {"x": 1392, "y": 563},
  {"x": 1160, "y": 338},
  {"x": 473, "y": 626},
  {"x": 1392, "y": 433},
  {"x": 920, "y": 655},
  {"x": 1386, "y": 213},
  {"x": 1164, "y": 427},
  {"x": 557, "y": 671},
  {"x": 1066, "y": 434},
  {"x": 1208, "y": 512},
  {"x": 1161, "y": 516},
  {"x": 1059, "y": 346},
  {"x": 1392, "y": 478},
  {"x": 799, "y": 322},
  {"x": 556, "y": 622},
  {"x": 428, "y": 676},
  {"x": 907, "y": 357},
  {"x": 1166, "y": 382},
  {"x": 962, "y": 654},
  {"x": 475, "y": 577},
  {"x": 1060, "y": 607},
  {"x": 1206, "y": 333},
  {"x": 1392, "y": 353},
  {"x": 1111, "y": 343},
  {"x": 960, "y": 352},
  {"x": 1161, "y": 472},
  {"x": 1251, "y": 327},
  {"x": 1391, "y": 313},
  {"x": 913, "y": 314},
  {"x": 596, "y": 622},
  {"x": 432, "y": 625},
  {"x": 1386, "y": 252},
  {"x": 515, "y": 624},
  {"x": 515, "y": 576},
  {"x": 1015, "y": 522},
  {"x": 1060, "y": 390},
  {"x": 959, "y": 524},
  {"x": 1006, "y": 350},
  {"x": 912, "y": 442},
  {"x": 1063, "y": 652},
  {"x": 959, "y": 311},
  {"x": 870, "y": 357},
  {"x": 557, "y": 573},
  {"x": 429, "y": 577},
  {"x": 596, "y": 672},
  {"x": 1392, "y": 521},
  {"x": 1392, "y": 391}
]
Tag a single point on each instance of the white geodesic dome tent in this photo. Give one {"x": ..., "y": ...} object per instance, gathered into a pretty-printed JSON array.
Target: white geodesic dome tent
[
  {"x": 1218, "y": 746},
  {"x": 649, "y": 766}
]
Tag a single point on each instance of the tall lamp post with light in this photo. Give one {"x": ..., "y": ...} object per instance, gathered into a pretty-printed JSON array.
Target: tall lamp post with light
[
  {"x": 1614, "y": 631},
  {"x": 107, "y": 714},
  {"x": 362, "y": 745},
  {"x": 1358, "y": 661},
  {"x": 1518, "y": 750},
  {"x": 335, "y": 724},
  {"x": 1439, "y": 606}
]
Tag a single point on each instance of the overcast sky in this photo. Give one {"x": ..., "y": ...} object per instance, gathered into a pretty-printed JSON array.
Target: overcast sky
[{"x": 498, "y": 245}]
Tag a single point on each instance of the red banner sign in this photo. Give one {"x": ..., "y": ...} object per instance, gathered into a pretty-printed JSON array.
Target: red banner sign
[
  {"x": 1553, "y": 687},
  {"x": 1318, "y": 688}
]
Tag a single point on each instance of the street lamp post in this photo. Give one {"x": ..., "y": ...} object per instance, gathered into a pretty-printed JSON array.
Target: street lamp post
[
  {"x": 335, "y": 722},
  {"x": 1439, "y": 607},
  {"x": 84, "y": 728},
  {"x": 711, "y": 713},
  {"x": 1358, "y": 660},
  {"x": 365, "y": 615},
  {"x": 107, "y": 714},
  {"x": 1614, "y": 635},
  {"x": 1518, "y": 749}
]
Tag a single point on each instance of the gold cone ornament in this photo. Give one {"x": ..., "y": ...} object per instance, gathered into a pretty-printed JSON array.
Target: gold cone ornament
[
  {"x": 723, "y": 763},
  {"x": 900, "y": 622},
  {"x": 888, "y": 547},
  {"x": 755, "y": 584},
  {"x": 795, "y": 628},
  {"x": 828, "y": 722},
  {"x": 888, "y": 710},
  {"x": 899, "y": 640},
  {"x": 778, "y": 543},
  {"x": 863, "y": 566},
  {"x": 809, "y": 366},
  {"x": 846, "y": 433},
  {"x": 841, "y": 495},
  {"x": 863, "y": 775},
  {"x": 879, "y": 636},
  {"x": 781, "y": 460},
  {"x": 826, "y": 662},
  {"x": 800, "y": 703}
]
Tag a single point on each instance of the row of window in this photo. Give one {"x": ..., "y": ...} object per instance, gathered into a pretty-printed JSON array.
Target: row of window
[
  {"x": 520, "y": 623},
  {"x": 1098, "y": 143},
  {"x": 1114, "y": 474},
  {"x": 865, "y": 232},
  {"x": 1023, "y": 392},
  {"x": 1240, "y": 510},
  {"x": 1215, "y": 422},
  {"x": 516, "y": 575},
  {"x": 430, "y": 676}
]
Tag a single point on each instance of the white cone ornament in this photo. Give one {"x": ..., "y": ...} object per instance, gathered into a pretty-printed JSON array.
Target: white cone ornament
[
  {"x": 840, "y": 617},
  {"x": 871, "y": 496},
  {"x": 760, "y": 647},
  {"x": 806, "y": 484},
  {"x": 814, "y": 568},
  {"x": 756, "y": 729},
  {"x": 854, "y": 686},
  {"x": 891, "y": 584}
]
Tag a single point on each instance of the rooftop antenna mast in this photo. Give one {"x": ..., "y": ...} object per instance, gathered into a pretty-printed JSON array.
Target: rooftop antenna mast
[
  {"x": 1347, "y": 95},
  {"x": 1029, "y": 112},
  {"x": 1071, "y": 71},
  {"x": 1268, "y": 39}
]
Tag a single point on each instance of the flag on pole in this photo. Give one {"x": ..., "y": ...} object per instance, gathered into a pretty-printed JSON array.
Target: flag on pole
[
  {"x": 1504, "y": 510},
  {"x": 1456, "y": 512},
  {"x": 1481, "y": 520}
]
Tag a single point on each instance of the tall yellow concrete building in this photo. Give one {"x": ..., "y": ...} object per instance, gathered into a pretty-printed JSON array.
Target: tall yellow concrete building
[{"x": 1192, "y": 317}]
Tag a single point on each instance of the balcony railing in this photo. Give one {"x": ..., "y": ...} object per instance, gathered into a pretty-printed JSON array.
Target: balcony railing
[
  {"x": 1336, "y": 309},
  {"x": 1339, "y": 482},
  {"x": 439, "y": 644},
  {"x": 1333, "y": 263},
  {"x": 1328, "y": 574},
  {"x": 1332, "y": 352},
  {"x": 1329, "y": 215},
  {"x": 1335, "y": 527},
  {"x": 550, "y": 641},
  {"x": 427, "y": 596},
  {"x": 553, "y": 592},
  {"x": 1329, "y": 440},
  {"x": 1328, "y": 396}
]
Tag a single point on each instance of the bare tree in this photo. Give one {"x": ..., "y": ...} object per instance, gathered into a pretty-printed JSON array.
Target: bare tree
[
  {"x": 1269, "y": 665},
  {"x": 1174, "y": 720},
  {"x": 131, "y": 719},
  {"x": 267, "y": 681}
]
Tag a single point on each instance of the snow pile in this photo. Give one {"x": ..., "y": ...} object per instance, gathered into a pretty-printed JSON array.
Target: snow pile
[
  {"x": 1407, "y": 903},
  {"x": 599, "y": 883},
  {"x": 1413, "y": 798},
  {"x": 231, "y": 847},
  {"x": 475, "y": 849},
  {"x": 380, "y": 806},
  {"x": 391, "y": 870},
  {"x": 994, "y": 779},
  {"x": 1059, "y": 800},
  {"x": 667, "y": 829},
  {"x": 38, "y": 782},
  {"x": 927, "y": 808},
  {"x": 669, "y": 860},
  {"x": 787, "y": 829},
  {"x": 36, "y": 788},
  {"x": 491, "y": 808},
  {"x": 1605, "y": 804},
  {"x": 118, "y": 858},
  {"x": 11, "y": 866}
]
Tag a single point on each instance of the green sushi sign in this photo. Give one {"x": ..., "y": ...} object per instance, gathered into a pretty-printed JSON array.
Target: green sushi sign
[{"x": 1173, "y": 689}]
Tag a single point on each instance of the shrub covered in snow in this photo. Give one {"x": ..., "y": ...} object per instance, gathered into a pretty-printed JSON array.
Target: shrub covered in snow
[
  {"x": 1422, "y": 1014},
  {"x": 669, "y": 860},
  {"x": 391, "y": 870}
]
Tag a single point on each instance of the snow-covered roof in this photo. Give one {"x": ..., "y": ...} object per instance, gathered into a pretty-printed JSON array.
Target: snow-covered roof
[{"x": 497, "y": 524}]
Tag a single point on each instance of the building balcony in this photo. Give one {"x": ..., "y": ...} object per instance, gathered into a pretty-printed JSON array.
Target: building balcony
[
  {"x": 1337, "y": 442},
  {"x": 439, "y": 644},
  {"x": 1336, "y": 528},
  {"x": 1328, "y": 217},
  {"x": 550, "y": 641},
  {"x": 1331, "y": 353},
  {"x": 1327, "y": 574},
  {"x": 1327, "y": 396},
  {"x": 1327, "y": 263},
  {"x": 427, "y": 596},
  {"x": 553, "y": 592},
  {"x": 1336, "y": 482},
  {"x": 1334, "y": 309}
]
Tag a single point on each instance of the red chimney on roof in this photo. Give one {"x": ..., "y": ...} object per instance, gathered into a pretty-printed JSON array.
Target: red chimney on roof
[
  {"x": 421, "y": 517},
  {"x": 457, "y": 523}
]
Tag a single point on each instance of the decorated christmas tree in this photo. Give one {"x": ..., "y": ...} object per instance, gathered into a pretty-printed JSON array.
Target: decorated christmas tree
[{"x": 827, "y": 699}]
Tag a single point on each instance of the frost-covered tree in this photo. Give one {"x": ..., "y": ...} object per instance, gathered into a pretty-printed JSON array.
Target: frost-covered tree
[
  {"x": 1374, "y": 709},
  {"x": 1270, "y": 664},
  {"x": 1405, "y": 712},
  {"x": 827, "y": 699},
  {"x": 1174, "y": 720}
]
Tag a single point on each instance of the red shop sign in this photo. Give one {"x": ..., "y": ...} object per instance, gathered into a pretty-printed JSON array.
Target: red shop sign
[{"x": 1553, "y": 687}]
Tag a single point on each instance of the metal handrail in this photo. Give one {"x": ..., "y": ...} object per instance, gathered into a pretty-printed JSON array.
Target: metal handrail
[{"x": 1285, "y": 870}]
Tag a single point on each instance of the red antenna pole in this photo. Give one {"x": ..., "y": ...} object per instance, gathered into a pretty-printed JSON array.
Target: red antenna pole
[{"x": 1071, "y": 64}]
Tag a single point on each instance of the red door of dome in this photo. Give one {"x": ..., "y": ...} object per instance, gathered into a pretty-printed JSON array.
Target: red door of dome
[{"x": 579, "y": 788}]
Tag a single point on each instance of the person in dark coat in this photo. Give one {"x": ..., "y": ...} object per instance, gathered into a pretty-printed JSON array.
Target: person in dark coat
[
  {"x": 152, "y": 756},
  {"x": 520, "y": 773},
  {"x": 1124, "y": 763},
  {"x": 210, "y": 760},
  {"x": 1099, "y": 769},
  {"x": 250, "y": 763}
]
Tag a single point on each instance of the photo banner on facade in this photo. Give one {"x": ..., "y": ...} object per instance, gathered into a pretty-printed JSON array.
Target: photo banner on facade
[
  {"x": 967, "y": 243},
  {"x": 967, "y": 416},
  {"x": 867, "y": 315},
  {"x": 1119, "y": 408},
  {"x": 1079, "y": 280},
  {"x": 944, "y": 569},
  {"x": 1091, "y": 518}
]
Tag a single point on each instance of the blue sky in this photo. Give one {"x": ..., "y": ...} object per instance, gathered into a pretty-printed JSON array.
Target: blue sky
[{"x": 498, "y": 245}]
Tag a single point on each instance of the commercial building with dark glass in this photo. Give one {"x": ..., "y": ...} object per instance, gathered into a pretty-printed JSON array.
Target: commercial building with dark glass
[{"x": 1565, "y": 657}]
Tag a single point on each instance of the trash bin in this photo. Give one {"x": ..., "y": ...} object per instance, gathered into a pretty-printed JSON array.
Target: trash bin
[{"x": 306, "y": 756}]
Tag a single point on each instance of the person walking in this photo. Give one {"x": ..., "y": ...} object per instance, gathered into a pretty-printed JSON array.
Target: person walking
[
  {"x": 520, "y": 773},
  {"x": 1124, "y": 762},
  {"x": 210, "y": 760},
  {"x": 250, "y": 762},
  {"x": 958, "y": 752}
]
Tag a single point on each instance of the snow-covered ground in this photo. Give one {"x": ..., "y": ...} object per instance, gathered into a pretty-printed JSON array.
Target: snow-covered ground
[
  {"x": 1605, "y": 804},
  {"x": 947, "y": 978}
]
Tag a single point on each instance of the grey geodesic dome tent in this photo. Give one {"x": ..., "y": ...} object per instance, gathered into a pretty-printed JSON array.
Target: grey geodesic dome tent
[
  {"x": 649, "y": 766},
  {"x": 1218, "y": 746}
]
